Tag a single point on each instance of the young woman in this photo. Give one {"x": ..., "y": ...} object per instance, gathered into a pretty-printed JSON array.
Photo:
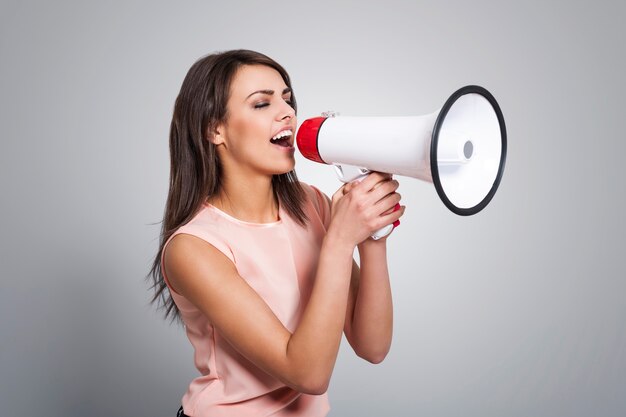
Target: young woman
[{"x": 258, "y": 266}]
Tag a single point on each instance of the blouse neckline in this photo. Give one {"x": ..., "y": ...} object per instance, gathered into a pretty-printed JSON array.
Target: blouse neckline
[{"x": 243, "y": 222}]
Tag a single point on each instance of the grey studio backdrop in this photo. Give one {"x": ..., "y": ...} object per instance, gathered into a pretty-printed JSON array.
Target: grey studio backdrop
[{"x": 517, "y": 311}]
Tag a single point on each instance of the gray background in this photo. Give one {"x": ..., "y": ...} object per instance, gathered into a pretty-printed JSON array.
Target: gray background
[{"x": 517, "y": 311}]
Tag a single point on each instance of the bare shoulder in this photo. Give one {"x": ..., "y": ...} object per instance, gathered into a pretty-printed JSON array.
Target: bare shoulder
[{"x": 188, "y": 258}]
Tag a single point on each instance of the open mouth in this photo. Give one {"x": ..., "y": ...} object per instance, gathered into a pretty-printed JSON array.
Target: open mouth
[{"x": 283, "y": 139}]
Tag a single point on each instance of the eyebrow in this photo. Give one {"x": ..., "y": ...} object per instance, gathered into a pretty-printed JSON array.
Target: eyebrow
[{"x": 268, "y": 92}]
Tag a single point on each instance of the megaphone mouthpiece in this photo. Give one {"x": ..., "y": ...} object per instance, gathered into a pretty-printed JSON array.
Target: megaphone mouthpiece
[{"x": 307, "y": 138}]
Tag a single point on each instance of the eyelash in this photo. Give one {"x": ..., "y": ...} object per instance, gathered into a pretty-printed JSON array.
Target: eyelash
[{"x": 265, "y": 104}]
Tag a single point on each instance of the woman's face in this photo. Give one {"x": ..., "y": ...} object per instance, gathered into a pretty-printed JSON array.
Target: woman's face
[{"x": 258, "y": 134}]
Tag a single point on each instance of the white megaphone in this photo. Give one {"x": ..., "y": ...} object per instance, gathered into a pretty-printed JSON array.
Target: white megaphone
[{"x": 460, "y": 148}]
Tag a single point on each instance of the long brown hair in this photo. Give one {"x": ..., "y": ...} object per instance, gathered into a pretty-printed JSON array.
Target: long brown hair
[{"x": 195, "y": 171}]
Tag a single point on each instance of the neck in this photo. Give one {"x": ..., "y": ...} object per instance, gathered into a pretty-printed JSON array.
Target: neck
[{"x": 250, "y": 199}]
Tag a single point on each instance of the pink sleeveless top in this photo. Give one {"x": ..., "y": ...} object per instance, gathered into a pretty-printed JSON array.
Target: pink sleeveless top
[{"x": 279, "y": 261}]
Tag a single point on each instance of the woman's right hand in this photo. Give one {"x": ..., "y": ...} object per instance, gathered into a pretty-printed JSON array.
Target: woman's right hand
[{"x": 362, "y": 207}]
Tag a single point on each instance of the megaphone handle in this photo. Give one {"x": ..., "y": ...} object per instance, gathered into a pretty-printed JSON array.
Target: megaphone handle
[{"x": 348, "y": 173}]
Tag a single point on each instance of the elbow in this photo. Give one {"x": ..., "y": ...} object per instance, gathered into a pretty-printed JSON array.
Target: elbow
[
  {"x": 314, "y": 389},
  {"x": 374, "y": 359},
  {"x": 313, "y": 384},
  {"x": 374, "y": 356}
]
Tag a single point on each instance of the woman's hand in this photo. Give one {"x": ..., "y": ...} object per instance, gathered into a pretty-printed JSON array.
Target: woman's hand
[{"x": 361, "y": 208}]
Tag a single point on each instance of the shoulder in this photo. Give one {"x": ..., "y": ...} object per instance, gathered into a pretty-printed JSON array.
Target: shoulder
[
  {"x": 208, "y": 226},
  {"x": 320, "y": 201},
  {"x": 314, "y": 194},
  {"x": 200, "y": 238},
  {"x": 186, "y": 254}
]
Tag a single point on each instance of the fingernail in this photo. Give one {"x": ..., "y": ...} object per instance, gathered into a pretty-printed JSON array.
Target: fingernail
[
  {"x": 396, "y": 223},
  {"x": 397, "y": 207}
]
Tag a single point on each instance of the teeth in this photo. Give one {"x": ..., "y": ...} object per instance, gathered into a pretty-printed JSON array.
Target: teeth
[{"x": 282, "y": 134}]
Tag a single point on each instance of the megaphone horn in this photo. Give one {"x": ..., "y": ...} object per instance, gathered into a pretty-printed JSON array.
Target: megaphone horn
[{"x": 460, "y": 148}]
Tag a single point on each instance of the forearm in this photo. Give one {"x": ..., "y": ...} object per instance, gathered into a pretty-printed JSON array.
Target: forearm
[
  {"x": 314, "y": 345},
  {"x": 372, "y": 319}
]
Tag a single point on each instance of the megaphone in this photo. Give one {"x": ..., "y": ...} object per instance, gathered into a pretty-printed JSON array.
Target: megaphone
[{"x": 460, "y": 148}]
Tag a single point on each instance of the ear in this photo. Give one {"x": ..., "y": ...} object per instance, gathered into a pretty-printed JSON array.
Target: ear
[{"x": 215, "y": 136}]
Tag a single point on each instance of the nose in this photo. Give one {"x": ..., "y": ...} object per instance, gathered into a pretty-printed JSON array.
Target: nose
[{"x": 286, "y": 112}]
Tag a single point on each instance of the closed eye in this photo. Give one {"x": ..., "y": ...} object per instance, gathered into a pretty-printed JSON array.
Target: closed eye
[{"x": 265, "y": 104}]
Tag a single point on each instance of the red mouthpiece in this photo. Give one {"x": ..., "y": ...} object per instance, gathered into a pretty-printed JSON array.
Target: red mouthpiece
[{"x": 306, "y": 138}]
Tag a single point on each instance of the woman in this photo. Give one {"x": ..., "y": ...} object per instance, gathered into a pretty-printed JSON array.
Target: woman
[{"x": 257, "y": 265}]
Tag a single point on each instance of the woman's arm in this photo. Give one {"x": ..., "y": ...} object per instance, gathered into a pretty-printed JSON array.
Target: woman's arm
[
  {"x": 369, "y": 317},
  {"x": 305, "y": 359}
]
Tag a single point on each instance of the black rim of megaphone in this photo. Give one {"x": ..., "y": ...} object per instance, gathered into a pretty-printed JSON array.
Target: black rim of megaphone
[{"x": 470, "y": 89}]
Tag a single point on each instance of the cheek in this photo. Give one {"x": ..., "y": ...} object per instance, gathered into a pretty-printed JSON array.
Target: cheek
[{"x": 248, "y": 133}]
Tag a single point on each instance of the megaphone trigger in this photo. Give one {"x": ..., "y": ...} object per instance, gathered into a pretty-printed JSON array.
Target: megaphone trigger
[{"x": 348, "y": 174}]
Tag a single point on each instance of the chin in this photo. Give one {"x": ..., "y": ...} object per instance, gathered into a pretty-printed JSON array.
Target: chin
[
  {"x": 285, "y": 169},
  {"x": 281, "y": 172}
]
